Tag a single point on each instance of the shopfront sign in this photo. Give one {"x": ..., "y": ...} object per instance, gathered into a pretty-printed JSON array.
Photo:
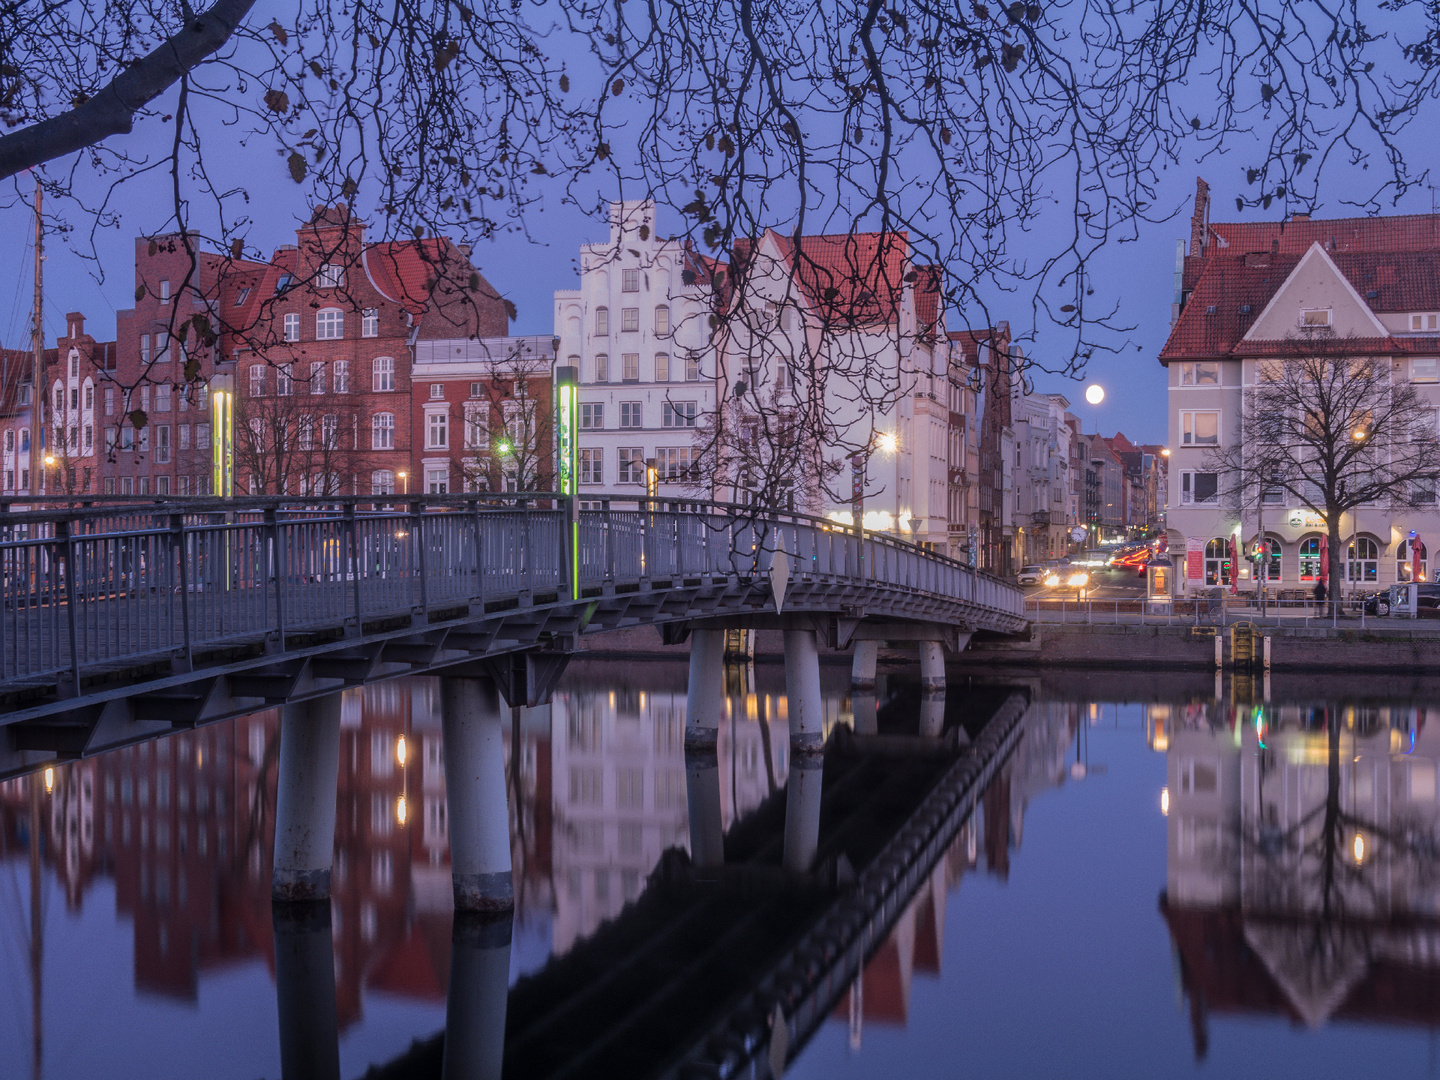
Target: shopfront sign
[
  {"x": 1305, "y": 519},
  {"x": 1194, "y": 558}
]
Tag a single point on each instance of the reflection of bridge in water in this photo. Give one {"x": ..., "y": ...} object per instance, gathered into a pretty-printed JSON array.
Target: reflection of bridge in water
[{"x": 731, "y": 960}]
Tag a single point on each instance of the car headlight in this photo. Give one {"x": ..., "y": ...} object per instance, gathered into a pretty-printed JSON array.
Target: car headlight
[
  {"x": 1078, "y": 579},
  {"x": 1052, "y": 579}
]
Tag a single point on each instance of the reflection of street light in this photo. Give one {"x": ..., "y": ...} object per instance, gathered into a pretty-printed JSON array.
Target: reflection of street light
[
  {"x": 400, "y": 750},
  {"x": 402, "y": 810},
  {"x": 1165, "y": 801},
  {"x": 1359, "y": 849},
  {"x": 49, "y": 780}
]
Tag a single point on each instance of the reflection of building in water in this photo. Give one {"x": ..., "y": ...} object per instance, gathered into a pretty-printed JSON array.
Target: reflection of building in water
[
  {"x": 1303, "y": 872},
  {"x": 916, "y": 943},
  {"x": 185, "y": 825}
]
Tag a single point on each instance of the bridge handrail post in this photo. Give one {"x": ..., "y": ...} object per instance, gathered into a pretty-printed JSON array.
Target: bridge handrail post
[
  {"x": 417, "y": 548},
  {"x": 475, "y": 523},
  {"x": 65, "y": 542},
  {"x": 177, "y": 529},
  {"x": 352, "y": 536},
  {"x": 272, "y": 527}
]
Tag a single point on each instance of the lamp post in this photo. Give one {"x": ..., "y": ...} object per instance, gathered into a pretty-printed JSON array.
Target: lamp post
[
  {"x": 222, "y": 435},
  {"x": 404, "y": 482},
  {"x": 567, "y": 379}
]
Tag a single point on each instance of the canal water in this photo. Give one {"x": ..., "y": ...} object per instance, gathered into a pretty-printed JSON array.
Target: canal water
[{"x": 1171, "y": 876}]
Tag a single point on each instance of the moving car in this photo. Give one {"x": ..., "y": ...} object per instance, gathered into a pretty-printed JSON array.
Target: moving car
[
  {"x": 1396, "y": 600},
  {"x": 1030, "y": 575}
]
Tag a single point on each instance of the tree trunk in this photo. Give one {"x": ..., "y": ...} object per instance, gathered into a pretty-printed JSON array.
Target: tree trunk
[{"x": 1336, "y": 559}]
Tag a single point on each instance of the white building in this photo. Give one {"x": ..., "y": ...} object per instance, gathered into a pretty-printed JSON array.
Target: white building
[
  {"x": 638, "y": 329},
  {"x": 1042, "y": 477}
]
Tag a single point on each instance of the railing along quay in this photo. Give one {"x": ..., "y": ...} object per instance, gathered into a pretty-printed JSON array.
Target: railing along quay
[
  {"x": 95, "y": 586},
  {"x": 1219, "y": 612}
]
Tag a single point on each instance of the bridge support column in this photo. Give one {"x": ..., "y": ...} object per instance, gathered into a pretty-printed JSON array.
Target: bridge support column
[
  {"x": 802, "y": 692},
  {"x": 305, "y": 798},
  {"x": 802, "y": 811},
  {"x": 305, "y": 990},
  {"x": 477, "y": 805},
  {"x": 475, "y": 1005},
  {"x": 705, "y": 700}
]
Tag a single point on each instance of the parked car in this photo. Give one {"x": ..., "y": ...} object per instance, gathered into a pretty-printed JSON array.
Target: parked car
[
  {"x": 1396, "y": 600},
  {"x": 1030, "y": 575}
]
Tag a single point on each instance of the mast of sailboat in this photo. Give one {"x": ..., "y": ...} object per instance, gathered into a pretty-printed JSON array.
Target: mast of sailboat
[{"x": 37, "y": 341}]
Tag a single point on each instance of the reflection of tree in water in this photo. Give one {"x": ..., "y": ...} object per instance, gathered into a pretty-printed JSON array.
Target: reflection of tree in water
[{"x": 1321, "y": 892}]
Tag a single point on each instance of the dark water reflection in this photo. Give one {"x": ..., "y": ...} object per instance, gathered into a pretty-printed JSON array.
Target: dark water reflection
[{"x": 1072, "y": 927}]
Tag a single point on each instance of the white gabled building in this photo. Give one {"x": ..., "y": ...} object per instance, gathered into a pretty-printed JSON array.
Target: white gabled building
[{"x": 638, "y": 329}]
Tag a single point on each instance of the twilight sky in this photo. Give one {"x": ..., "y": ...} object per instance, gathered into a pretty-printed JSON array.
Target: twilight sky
[{"x": 1137, "y": 277}]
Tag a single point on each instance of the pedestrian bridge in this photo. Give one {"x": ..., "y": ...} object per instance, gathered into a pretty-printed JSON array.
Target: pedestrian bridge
[{"x": 124, "y": 620}]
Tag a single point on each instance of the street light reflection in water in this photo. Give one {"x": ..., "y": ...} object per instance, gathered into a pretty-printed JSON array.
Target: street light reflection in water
[{"x": 1309, "y": 818}]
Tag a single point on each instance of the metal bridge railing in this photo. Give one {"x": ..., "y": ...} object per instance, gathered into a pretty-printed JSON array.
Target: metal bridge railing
[{"x": 100, "y": 584}]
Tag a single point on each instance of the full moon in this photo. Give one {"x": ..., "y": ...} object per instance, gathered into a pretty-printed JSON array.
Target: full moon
[{"x": 1094, "y": 393}]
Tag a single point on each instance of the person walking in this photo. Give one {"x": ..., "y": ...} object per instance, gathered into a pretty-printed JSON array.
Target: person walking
[{"x": 1320, "y": 595}]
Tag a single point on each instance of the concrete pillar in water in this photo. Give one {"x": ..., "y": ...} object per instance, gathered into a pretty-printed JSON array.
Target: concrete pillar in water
[
  {"x": 862, "y": 668},
  {"x": 479, "y": 987},
  {"x": 802, "y": 811},
  {"x": 705, "y": 699},
  {"x": 305, "y": 990},
  {"x": 802, "y": 692},
  {"x": 478, "y": 809},
  {"x": 932, "y": 667},
  {"x": 305, "y": 798}
]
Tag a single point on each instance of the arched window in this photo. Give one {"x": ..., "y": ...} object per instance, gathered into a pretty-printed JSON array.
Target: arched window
[
  {"x": 1217, "y": 562},
  {"x": 662, "y": 321},
  {"x": 382, "y": 431},
  {"x": 1270, "y": 566},
  {"x": 384, "y": 373},
  {"x": 329, "y": 324},
  {"x": 1403, "y": 558},
  {"x": 382, "y": 482},
  {"x": 1310, "y": 569},
  {"x": 1363, "y": 560}
]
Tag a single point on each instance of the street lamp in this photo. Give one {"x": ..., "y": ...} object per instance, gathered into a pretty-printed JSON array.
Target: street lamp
[{"x": 404, "y": 482}]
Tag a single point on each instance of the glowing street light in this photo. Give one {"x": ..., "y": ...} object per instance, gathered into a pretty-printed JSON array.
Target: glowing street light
[
  {"x": 1164, "y": 451},
  {"x": 1094, "y": 393},
  {"x": 404, "y": 482},
  {"x": 886, "y": 442}
]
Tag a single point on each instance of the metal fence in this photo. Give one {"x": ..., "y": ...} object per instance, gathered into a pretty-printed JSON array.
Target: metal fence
[{"x": 97, "y": 585}]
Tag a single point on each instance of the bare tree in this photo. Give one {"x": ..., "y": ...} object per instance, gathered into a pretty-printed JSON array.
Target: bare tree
[
  {"x": 294, "y": 444},
  {"x": 967, "y": 127},
  {"x": 1333, "y": 431}
]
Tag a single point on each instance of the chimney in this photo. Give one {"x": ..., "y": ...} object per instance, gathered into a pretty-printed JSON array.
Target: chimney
[
  {"x": 75, "y": 320},
  {"x": 1299, "y": 217},
  {"x": 1200, "y": 219}
]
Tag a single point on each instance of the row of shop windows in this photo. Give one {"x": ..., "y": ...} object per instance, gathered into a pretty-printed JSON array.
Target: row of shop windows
[{"x": 1362, "y": 561}]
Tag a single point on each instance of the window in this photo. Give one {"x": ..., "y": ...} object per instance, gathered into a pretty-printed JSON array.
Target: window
[
  {"x": 329, "y": 324},
  {"x": 1424, "y": 369},
  {"x": 629, "y": 320},
  {"x": 109, "y": 401},
  {"x": 679, "y": 414},
  {"x": 1310, "y": 559},
  {"x": 242, "y": 296},
  {"x": 437, "y": 431},
  {"x": 602, "y": 368},
  {"x": 305, "y": 434},
  {"x": 630, "y": 367},
  {"x": 1362, "y": 561},
  {"x": 340, "y": 372},
  {"x": 317, "y": 376},
  {"x": 89, "y": 396},
  {"x": 662, "y": 321},
  {"x": 292, "y": 327},
  {"x": 1217, "y": 562},
  {"x": 330, "y": 437},
  {"x": 1311, "y": 317},
  {"x": 437, "y": 391},
  {"x": 162, "y": 444},
  {"x": 674, "y": 462},
  {"x": 383, "y": 373},
  {"x": 382, "y": 482},
  {"x": 630, "y": 788},
  {"x": 370, "y": 322},
  {"x": 1403, "y": 556},
  {"x": 257, "y": 381},
  {"x": 592, "y": 466},
  {"x": 162, "y": 397},
  {"x": 662, "y": 367},
  {"x": 1422, "y": 493},
  {"x": 203, "y": 401},
  {"x": 89, "y": 439},
  {"x": 284, "y": 384},
  {"x": 1200, "y": 374},
  {"x": 602, "y": 321},
  {"x": 184, "y": 436},
  {"x": 145, "y": 399},
  {"x": 111, "y": 440},
  {"x": 630, "y": 414},
  {"x": 329, "y": 276},
  {"x": 631, "y": 465},
  {"x": 142, "y": 440},
  {"x": 382, "y": 431},
  {"x": 165, "y": 292},
  {"x": 592, "y": 415},
  {"x": 1200, "y": 428},
  {"x": 144, "y": 348},
  {"x": 437, "y": 479},
  {"x": 629, "y": 280},
  {"x": 202, "y": 436},
  {"x": 10, "y": 441},
  {"x": 477, "y": 424},
  {"x": 692, "y": 367},
  {"x": 1199, "y": 777},
  {"x": 1426, "y": 321},
  {"x": 1199, "y": 487}
]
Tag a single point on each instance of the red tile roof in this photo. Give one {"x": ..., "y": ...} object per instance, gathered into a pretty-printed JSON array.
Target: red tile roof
[
  {"x": 968, "y": 341},
  {"x": 854, "y": 280}
]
